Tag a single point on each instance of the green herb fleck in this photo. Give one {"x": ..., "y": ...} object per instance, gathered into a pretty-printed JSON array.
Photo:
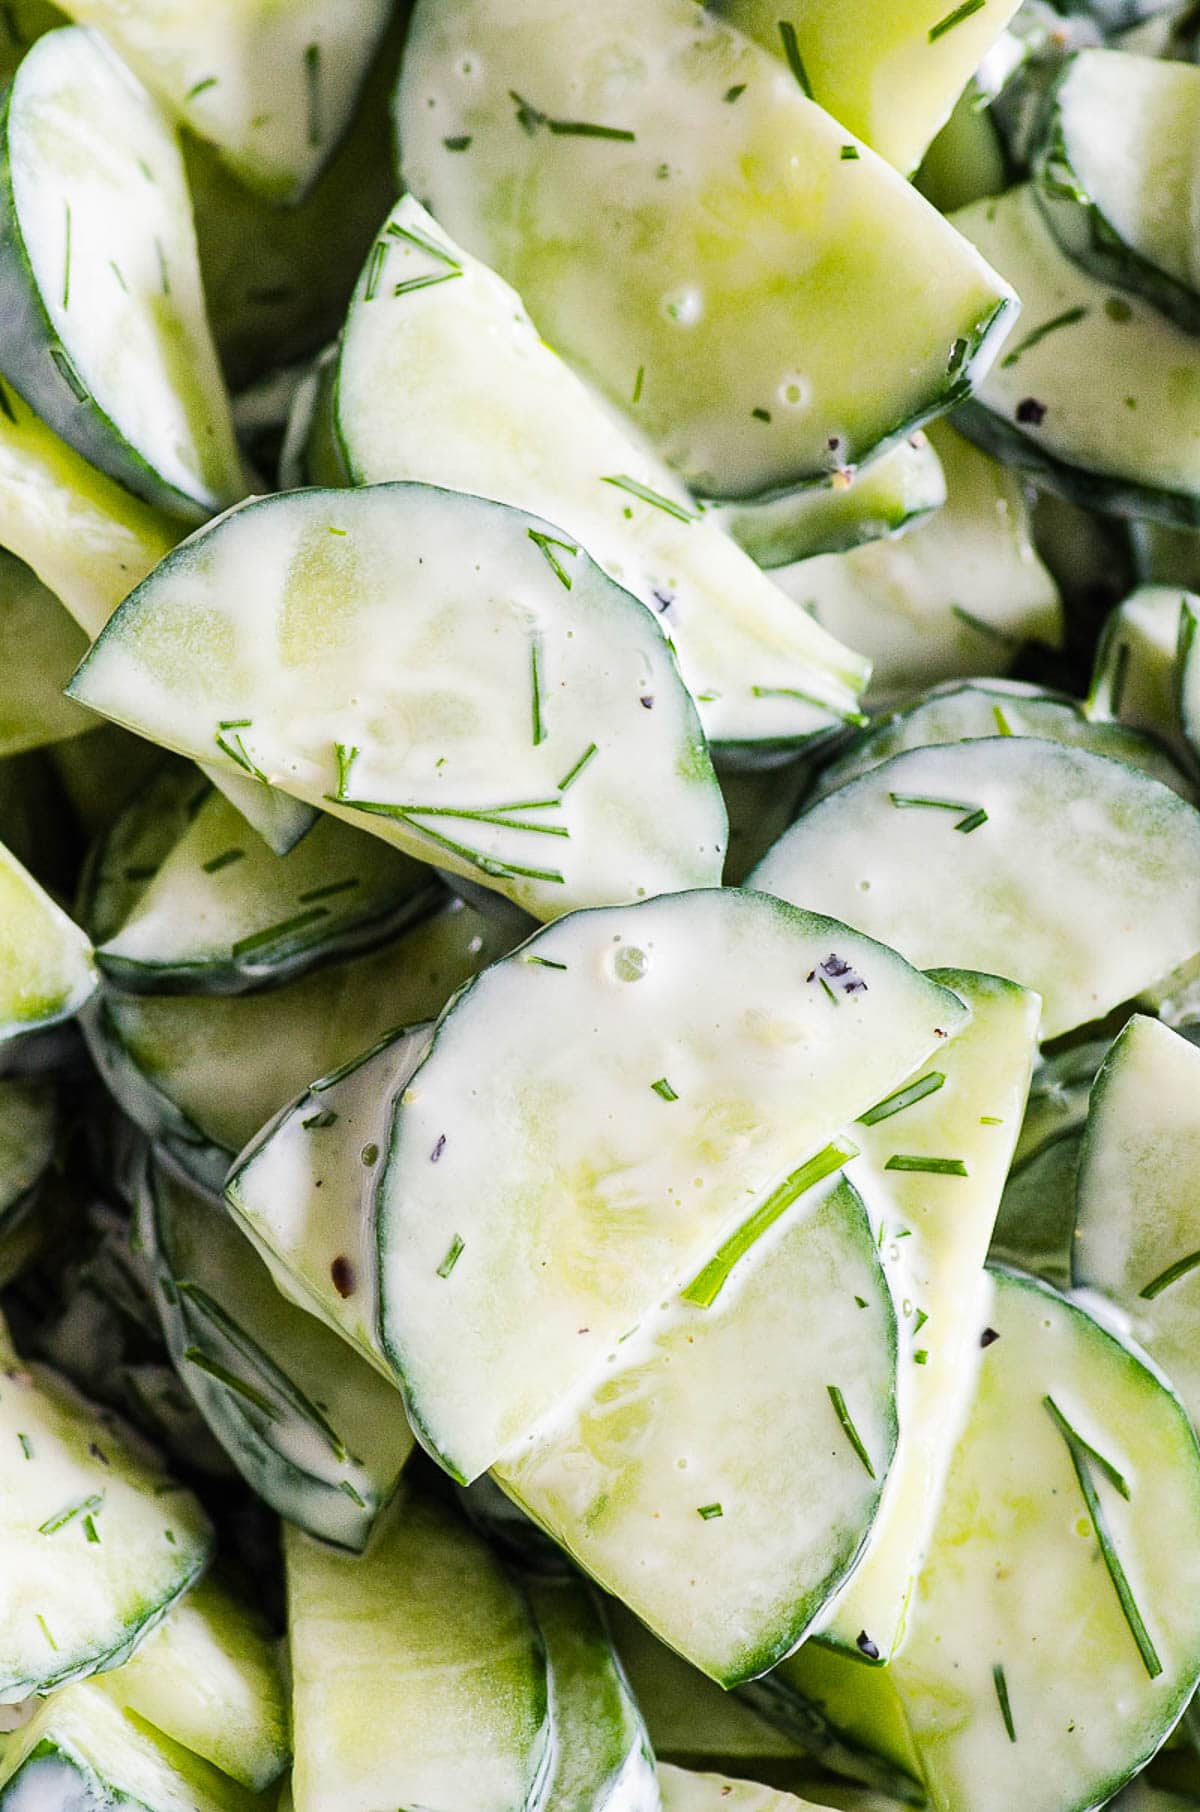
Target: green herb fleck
[
  {"x": 62, "y": 1517},
  {"x": 312, "y": 78},
  {"x": 990, "y": 1120},
  {"x": 200, "y": 87},
  {"x": 707, "y": 1285},
  {"x": 975, "y": 814},
  {"x": 1118, "y": 309},
  {"x": 63, "y": 364},
  {"x": 548, "y": 543},
  {"x": 221, "y": 1374},
  {"x": 709, "y": 1511},
  {"x": 274, "y": 934},
  {"x": 164, "y": 275},
  {"x": 352, "y": 1494},
  {"x": 45, "y": 1629},
  {"x": 26, "y": 1446},
  {"x": 644, "y": 494},
  {"x": 226, "y": 859},
  {"x": 66, "y": 301},
  {"x": 638, "y": 383},
  {"x": 90, "y": 1531},
  {"x": 919, "y": 1321},
  {"x": 543, "y": 962},
  {"x": 318, "y": 1122},
  {"x": 461, "y": 143},
  {"x": 849, "y": 154},
  {"x": 345, "y": 758},
  {"x": 960, "y": 13},
  {"x": 1001, "y": 722},
  {"x": 736, "y": 92},
  {"x": 236, "y": 750},
  {"x": 1001, "y": 1685},
  {"x": 330, "y": 890},
  {"x": 452, "y": 1257},
  {"x": 934, "y": 1167},
  {"x": 531, "y": 119},
  {"x": 379, "y": 252},
  {"x": 1171, "y": 1275},
  {"x": 1068, "y": 318},
  {"x": 761, "y": 415},
  {"x": 791, "y": 50},
  {"x": 903, "y": 1097},
  {"x": 921, "y": 1356},
  {"x": 851, "y": 1433},
  {"x": 663, "y": 1088},
  {"x": 572, "y": 774}
]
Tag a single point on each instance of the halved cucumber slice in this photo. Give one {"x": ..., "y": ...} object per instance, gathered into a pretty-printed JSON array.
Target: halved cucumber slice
[
  {"x": 603, "y": 1761},
  {"x": 442, "y": 377},
  {"x": 992, "y": 853},
  {"x": 81, "y": 1753},
  {"x": 931, "y": 1171},
  {"x": 318, "y": 1435},
  {"x": 443, "y": 672},
  {"x": 98, "y": 1541},
  {"x": 223, "y": 915},
  {"x": 518, "y": 1240},
  {"x": 683, "y": 1791},
  {"x": 46, "y": 966},
  {"x": 1095, "y": 398},
  {"x": 687, "y": 214},
  {"x": 1117, "y": 175},
  {"x": 104, "y": 330},
  {"x": 42, "y": 649},
  {"x": 991, "y": 707},
  {"x": 305, "y": 1196},
  {"x": 890, "y": 72},
  {"x": 1136, "y": 677},
  {"x": 1055, "y": 1635},
  {"x": 419, "y": 1678},
  {"x": 957, "y": 596},
  {"x": 272, "y": 87},
  {"x": 29, "y": 1127},
  {"x": 1137, "y": 1233},
  {"x": 722, "y": 1468},
  {"x": 205, "y": 1073},
  {"x": 208, "y": 1678}
]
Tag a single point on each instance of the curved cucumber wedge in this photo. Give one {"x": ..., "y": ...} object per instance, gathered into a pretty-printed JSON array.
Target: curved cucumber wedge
[
  {"x": 223, "y": 915},
  {"x": 727, "y": 250},
  {"x": 208, "y": 1679},
  {"x": 415, "y": 658},
  {"x": 443, "y": 377},
  {"x": 1055, "y": 1635},
  {"x": 752, "y": 1437},
  {"x": 1035, "y": 1228},
  {"x": 990, "y": 854},
  {"x": 128, "y": 852},
  {"x": 1117, "y": 175},
  {"x": 311, "y": 1428},
  {"x": 98, "y": 1541},
  {"x": 42, "y": 649},
  {"x": 104, "y": 332},
  {"x": 519, "y": 1241},
  {"x": 46, "y": 966},
  {"x": 683, "y": 1791},
  {"x": 1136, "y": 677},
  {"x": 1092, "y": 399},
  {"x": 419, "y": 1677}
]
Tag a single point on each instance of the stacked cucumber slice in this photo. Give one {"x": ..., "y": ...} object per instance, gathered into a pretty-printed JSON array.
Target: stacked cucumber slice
[{"x": 599, "y": 906}]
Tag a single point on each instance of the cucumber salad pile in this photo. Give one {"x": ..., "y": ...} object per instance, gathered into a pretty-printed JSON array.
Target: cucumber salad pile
[{"x": 599, "y": 905}]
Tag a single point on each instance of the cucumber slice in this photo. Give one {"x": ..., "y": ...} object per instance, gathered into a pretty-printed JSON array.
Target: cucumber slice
[
  {"x": 1094, "y": 397},
  {"x": 223, "y": 915},
  {"x": 280, "y": 820},
  {"x": 887, "y": 496},
  {"x": 1035, "y": 1228},
  {"x": 43, "y": 647},
  {"x": 603, "y": 1761},
  {"x": 858, "y": 1705},
  {"x": 94, "y": 208},
  {"x": 526, "y": 699},
  {"x": 46, "y": 967},
  {"x": 1055, "y": 1637},
  {"x": 890, "y": 72},
  {"x": 1138, "y": 1222},
  {"x": 683, "y": 1791},
  {"x": 933, "y": 1232},
  {"x": 317, "y": 1435},
  {"x": 670, "y": 242},
  {"x": 966, "y": 160},
  {"x": 508, "y": 1226},
  {"x": 98, "y": 1542},
  {"x": 208, "y": 1679},
  {"x": 205, "y": 1073},
  {"x": 1068, "y": 838},
  {"x": 989, "y": 707},
  {"x": 305, "y": 1197},
  {"x": 29, "y": 1129},
  {"x": 273, "y": 88},
  {"x": 1136, "y": 677},
  {"x": 957, "y": 596},
  {"x": 128, "y": 854},
  {"x": 442, "y": 380},
  {"x": 752, "y": 1437},
  {"x": 1117, "y": 172},
  {"x": 419, "y": 1678}
]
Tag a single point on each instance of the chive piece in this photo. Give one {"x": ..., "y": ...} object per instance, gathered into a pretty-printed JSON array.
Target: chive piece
[
  {"x": 531, "y": 119},
  {"x": 921, "y": 1356},
  {"x": 241, "y": 1342},
  {"x": 1001, "y": 1685},
  {"x": 981, "y": 627},
  {"x": 851, "y": 1433},
  {"x": 572, "y": 774},
  {"x": 829, "y": 993},
  {"x": 423, "y": 243},
  {"x": 312, "y": 78},
  {"x": 955, "y": 18},
  {"x": 857, "y": 718},
  {"x": 330, "y": 889},
  {"x": 222, "y": 1375},
  {"x": 975, "y": 814},
  {"x": 260, "y": 940},
  {"x": 849, "y": 154},
  {"x": 226, "y": 859},
  {"x": 663, "y": 1088},
  {"x": 236, "y": 750},
  {"x": 959, "y": 349},
  {"x": 1001, "y": 722},
  {"x": 26, "y": 1446},
  {"x": 904, "y": 1097},
  {"x": 543, "y": 962},
  {"x": 90, "y": 1531},
  {"x": 379, "y": 252},
  {"x": 791, "y": 50},
  {"x": 352, "y": 1494},
  {"x": 707, "y": 1285},
  {"x": 1068, "y": 318},
  {"x": 164, "y": 276},
  {"x": 537, "y": 720},
  {"x": 461, "y": 143},
  {"x": 736, "y": 92},
  {"x": 761, "y": 415},
  {"x": 972, "y": 822},
  {"x": 920, "y": 1320},
  {"x": 317, "y": 1122},
  {"x": 67, "y": 372},
  {"x": 62, "y": 1517},
  {"x": 345, "y": 758},
  {"x": 66, "y": 301},
  {"x": 861, "y": 1301},
  {"x": 638, "y": 383},
  {"x": 452, "y": 1257},
  {"x": 412, "y": 284},
  {"x": 548, "y": 543},
  {"x": 990, "y": 1120},
  {"x": 709, "y": 1511},
  {"x": 1080, "y": 1453},
  {"x": 45, "y": 1629},
  {"x": 200, "y": 87},
  {"x": 487, "y": 865},
  {"x": 934, "y": 1167},
  {"x": 1115, "y": 1479},
  {"x": 645, "y": 495},
  {"x": 1171, "y": 1275}
]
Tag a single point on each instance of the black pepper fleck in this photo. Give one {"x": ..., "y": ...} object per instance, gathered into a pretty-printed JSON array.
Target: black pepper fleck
[
  {"x": 342, "y": 1273},
  {"x": 1031, "y": 412}
]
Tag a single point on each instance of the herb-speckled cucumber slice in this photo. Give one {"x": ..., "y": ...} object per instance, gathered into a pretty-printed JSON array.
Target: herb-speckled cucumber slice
[
  {"x": 223, "y": 915},
  {"x": 1136, "y": 677},
  {"x": 98, "y": 1542},
  {"x": 509, "y": 1225},
  {"x": 688, "y": 214},
  {"x": 46, "y": 967},
  {"x": 753, "y": 1437},
  {"x": 1094, "y": 395},
  {"x": 442, "y": 377},
  {"x": 990, "y": 854},
  {"x": 1055, "y": 1634},
  {"x": 42, "y": 649},
  {"x": 104, "y": 330},
  {"x": 419, "y": 1677},
  {"x": 208, "y": 1678},
  {"x": 439, "y": 670},
  {"x": 316, "y": 1433}
]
